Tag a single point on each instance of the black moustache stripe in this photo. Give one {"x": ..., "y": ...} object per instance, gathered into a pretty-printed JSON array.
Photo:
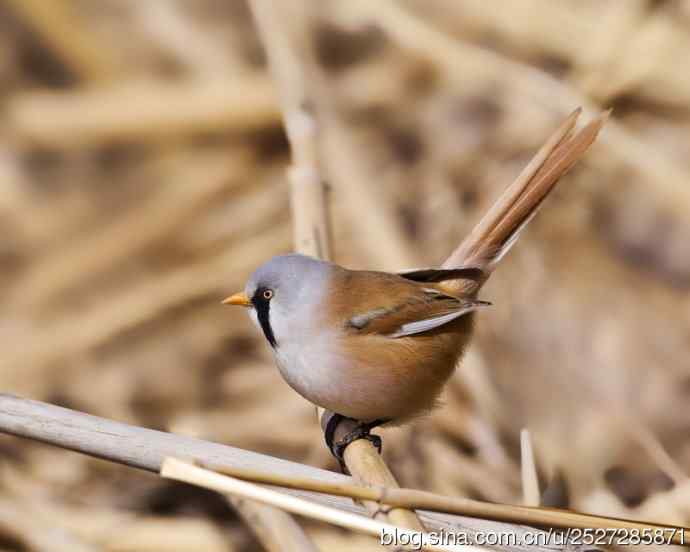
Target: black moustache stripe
[{"x": 262, "y": 307}]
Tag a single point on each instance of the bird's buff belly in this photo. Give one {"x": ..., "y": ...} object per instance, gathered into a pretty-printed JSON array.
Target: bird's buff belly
[{"x": 365, "y": 389}]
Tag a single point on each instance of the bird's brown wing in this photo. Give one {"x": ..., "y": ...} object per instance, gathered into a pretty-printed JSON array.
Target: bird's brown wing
[{"x": 395, "y": 307}]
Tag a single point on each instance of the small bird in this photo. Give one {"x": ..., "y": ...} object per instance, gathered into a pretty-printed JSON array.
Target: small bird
[{"x": 379, "y": 347}]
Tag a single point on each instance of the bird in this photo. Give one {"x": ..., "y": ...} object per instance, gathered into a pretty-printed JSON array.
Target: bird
[{"x": 378, "y": 347}]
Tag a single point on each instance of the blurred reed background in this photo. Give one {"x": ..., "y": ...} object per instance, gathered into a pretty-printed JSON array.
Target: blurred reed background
[{"x": 142, "y": 179}]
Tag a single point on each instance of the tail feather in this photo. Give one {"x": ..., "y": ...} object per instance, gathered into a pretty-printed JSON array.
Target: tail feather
[{"x": 497, "y": 231}]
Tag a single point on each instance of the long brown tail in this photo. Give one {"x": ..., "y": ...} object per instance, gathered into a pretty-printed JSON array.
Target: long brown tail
[{"x": 497, "y": 231}]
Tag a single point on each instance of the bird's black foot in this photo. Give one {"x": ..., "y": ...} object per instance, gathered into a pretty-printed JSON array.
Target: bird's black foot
[{"x": 361, "y": 431}]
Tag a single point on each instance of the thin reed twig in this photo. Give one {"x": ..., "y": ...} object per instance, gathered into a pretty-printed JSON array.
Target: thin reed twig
[
  {"x": 528, "y": 467},
  {"x": 415, "y": 499},
  {"x": 274, "y": 528},
  {"x": 145, "y": 110},
  {"x": 189, "y": 473},
  {"x": 308, "y": 188},
  {"x": 67, "y": 38}
]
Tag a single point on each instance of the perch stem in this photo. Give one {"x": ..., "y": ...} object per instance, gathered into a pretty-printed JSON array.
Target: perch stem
[{"x": 146, "y": 449}]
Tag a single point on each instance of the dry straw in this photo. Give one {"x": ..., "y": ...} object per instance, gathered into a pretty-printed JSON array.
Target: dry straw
[
  {"x": 189, "y": 473},
  {"x": 422, "y": 500}
]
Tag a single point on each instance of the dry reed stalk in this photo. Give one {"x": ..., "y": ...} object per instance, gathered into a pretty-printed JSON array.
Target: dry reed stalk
[
  {"x": 249, "y": 211},
  {"x": 384, "y": 241},
  {"x": 334, "y": 541},
  {"x": 634, "y": 52},
  {"x": 648, "y": 441},
  {"x": 620, "y": 47},
  {"x": 470, "y": 474},
  {"x": 308, "y": 188},
  {"x": 146, "y": 449},
  {"x": 67, "y": 38},
  {"x": 167, "y": 24},
  {"x": 189, "y": 473},
  {"x": 144, "y": 534},
  {"x": 597, "y": 69},
  {"x": 365, "y": 464},
  {"x": 414, "y": 499},
  {"x": 528, "y": 469},
  {"x": 308, "y": 192},
  {"x": 143, "y": 110},
  {"x": 291, "y": 65},
  {"x": 274, "y": 528},
  {"x": 530, "y": 26}
]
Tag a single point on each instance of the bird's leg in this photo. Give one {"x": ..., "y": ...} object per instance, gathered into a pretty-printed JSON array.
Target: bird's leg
[{"x": 361, "y": 430}]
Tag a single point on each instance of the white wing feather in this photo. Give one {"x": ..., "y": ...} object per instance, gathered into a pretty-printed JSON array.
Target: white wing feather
[{"x": 419, "y": 326}]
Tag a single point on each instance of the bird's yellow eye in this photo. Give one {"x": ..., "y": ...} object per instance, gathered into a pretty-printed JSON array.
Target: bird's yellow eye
[{"x": 267, "y": 294}]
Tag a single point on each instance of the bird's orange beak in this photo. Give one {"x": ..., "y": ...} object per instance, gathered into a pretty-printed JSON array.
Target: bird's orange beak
[{"x": 237, "y": 299}]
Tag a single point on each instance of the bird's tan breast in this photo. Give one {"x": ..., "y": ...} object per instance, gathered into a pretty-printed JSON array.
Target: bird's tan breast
[{"x": 402, "y": 377}]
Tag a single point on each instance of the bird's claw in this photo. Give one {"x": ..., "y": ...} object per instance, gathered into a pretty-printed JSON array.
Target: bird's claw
[{"x": 361, "y": 431}]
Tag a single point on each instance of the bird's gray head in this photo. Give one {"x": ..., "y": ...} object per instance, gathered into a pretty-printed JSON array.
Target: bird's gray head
[{"x": 282, "y": 293}]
